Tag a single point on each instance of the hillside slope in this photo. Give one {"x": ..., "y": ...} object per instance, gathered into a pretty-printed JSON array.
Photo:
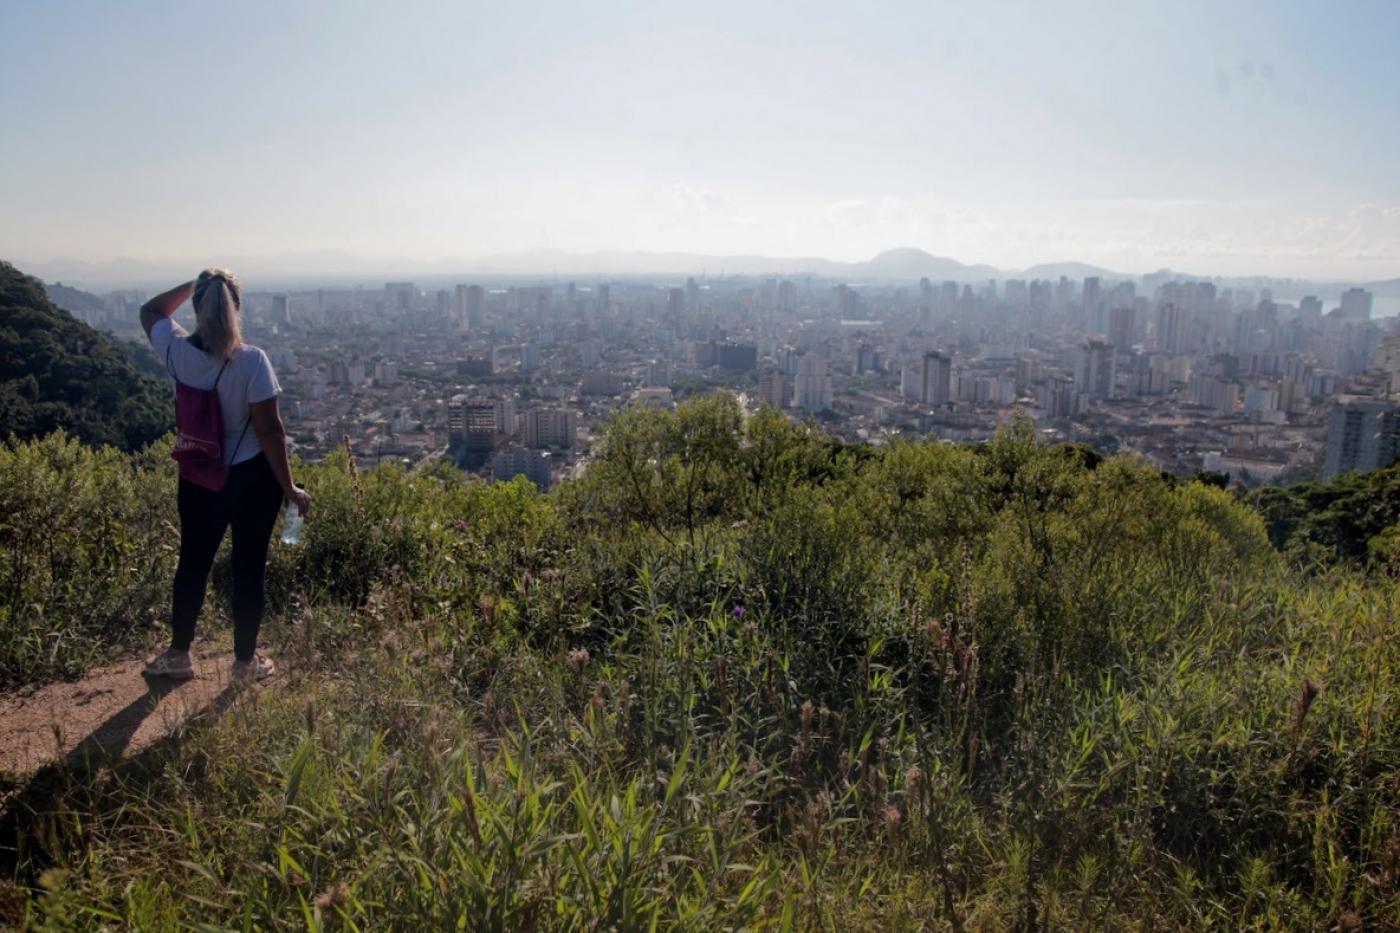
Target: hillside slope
[
  {"x": 57, "y": 372},
  {"x": 735, "y": 675}
]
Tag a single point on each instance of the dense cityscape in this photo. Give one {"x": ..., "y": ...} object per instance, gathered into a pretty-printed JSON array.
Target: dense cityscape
[
  {"x": 509, "y": 378},
  {"x": 728, "y": 466}
]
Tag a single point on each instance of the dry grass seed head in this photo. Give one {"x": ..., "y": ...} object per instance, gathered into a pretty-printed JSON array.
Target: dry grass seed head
[{"x": 1307, "y": 693}]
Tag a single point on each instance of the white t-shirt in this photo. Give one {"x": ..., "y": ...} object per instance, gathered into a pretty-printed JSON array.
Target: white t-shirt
[{"x": 248, "y": 378}]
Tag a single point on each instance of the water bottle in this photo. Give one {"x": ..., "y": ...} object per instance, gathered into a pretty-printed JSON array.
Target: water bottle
[{"x": 291, "y": 525}]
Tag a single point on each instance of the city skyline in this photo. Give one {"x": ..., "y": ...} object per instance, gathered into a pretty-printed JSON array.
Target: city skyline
[{"x": 1223, "y": 139}]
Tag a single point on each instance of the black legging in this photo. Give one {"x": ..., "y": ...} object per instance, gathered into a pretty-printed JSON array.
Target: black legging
[{"x": 249, "y": 502}]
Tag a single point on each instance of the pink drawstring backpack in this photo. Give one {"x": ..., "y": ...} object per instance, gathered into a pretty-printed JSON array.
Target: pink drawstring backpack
[{"x": 199, "y": 432}]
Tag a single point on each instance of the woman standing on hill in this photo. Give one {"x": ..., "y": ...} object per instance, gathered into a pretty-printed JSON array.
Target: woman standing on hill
[{"x": 234, "y": 480}]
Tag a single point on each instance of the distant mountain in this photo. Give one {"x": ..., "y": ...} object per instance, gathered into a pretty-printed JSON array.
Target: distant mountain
[
  {"x": 916, "y": 264},
  {"x": 1071, "y": 270},
  {"x": 324, "y": 267},
  {"x": 628, "y": 263},
  {"x": 73, "y": 300},
  {"x": 1390, "y": 288},
  {"x": 57, "y": 372},
  {"x": 894, "y": 264},
  {"x": 121, "y": 272}
]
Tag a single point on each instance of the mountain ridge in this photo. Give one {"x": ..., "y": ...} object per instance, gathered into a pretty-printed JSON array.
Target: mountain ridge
[{"x": 305, "y": 268}]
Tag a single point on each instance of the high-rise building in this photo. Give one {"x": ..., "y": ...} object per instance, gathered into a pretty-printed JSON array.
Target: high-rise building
[
  {"x": 1362, "y": 435},
  {"x": 347, "y": 372},
  {"x": 1261, "y": 397},
  {"x": 1356, "y": 304},
  {"x": 1060, "y": 399},
  {"x": 550, "y": 427},
  {"x": 868, "y": 359},
  {"x": 600, "y": 382},
  {"x": 471, "y": 423},
  {"x": 936, "y": 379},
  {"x": 510, "y": 462},
  {"x": 1122, "y": 328},
  {"x": 787, "y": 296},
  {"x": 281, "y": 311},
  {"x": 773, "y": 389},
  {"x": 505, "y": 416},
  {"x": 476, "y": 306},
  {"x": 1310, "y": 310},
  {"x": 1214, "y": 392},
  {"x": 813, "y": 386},
  {"x": 948, "y": 296},
  {"x": 1172, "y": 324},
  {"x": 737, "y": 357},
  {"x": 1388, "y": 361},
  {"x": 1094, "y": 368},
  {"x": 1092, "y": 297},
  {"x": 675, "y": 302},
  {"x": 1017, "y": 294},
  {"x": 841, "y": 296},
  {"x": 590, "y": 353},
  {"x": 692, "y": 294},
  {"x": 400, "y": 296}
]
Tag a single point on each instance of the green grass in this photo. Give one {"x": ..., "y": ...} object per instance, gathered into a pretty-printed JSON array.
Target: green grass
[{"x": 738, "y": 677}]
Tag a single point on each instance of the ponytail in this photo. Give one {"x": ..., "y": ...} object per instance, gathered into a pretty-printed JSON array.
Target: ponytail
[{"x": 217, "y": 299}]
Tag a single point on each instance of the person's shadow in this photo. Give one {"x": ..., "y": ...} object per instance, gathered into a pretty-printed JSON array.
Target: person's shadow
[
  {"x": 71, "y": 784},
  {"x": 110, "y": 739}
]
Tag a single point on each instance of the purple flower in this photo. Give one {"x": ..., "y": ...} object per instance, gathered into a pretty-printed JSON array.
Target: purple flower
[{"x": 739, "y": 611}]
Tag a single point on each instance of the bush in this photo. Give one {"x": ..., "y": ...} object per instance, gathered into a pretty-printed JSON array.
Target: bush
[{"x": 740, "y": 675}]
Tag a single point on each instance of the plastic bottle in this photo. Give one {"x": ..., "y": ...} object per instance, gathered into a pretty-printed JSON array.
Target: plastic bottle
[{"x": 291, "y": 525}]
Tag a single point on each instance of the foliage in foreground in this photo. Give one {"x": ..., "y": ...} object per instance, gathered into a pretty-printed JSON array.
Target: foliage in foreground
[{"x": 738, "y": 675}]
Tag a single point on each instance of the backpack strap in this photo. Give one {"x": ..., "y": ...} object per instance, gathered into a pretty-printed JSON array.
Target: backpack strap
[
  {"x": 170, "y": 368},
  {"x": 242, "y": 434}
]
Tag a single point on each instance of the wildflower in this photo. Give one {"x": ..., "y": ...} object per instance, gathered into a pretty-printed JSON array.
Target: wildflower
[
  {"x": 891, "y": 817},
  {"x": 914, "y": 778},
  {"x": 740, "y": 611},
  {"x": 578, "y": 660}
]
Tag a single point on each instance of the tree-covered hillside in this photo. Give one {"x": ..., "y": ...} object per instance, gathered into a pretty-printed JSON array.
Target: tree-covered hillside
[
  {"x": 1355, "y": 517},
  {"x": 737, "y": 675},
  {"x": 70, "y": 299},
  {"x": 57, "y": 372}
]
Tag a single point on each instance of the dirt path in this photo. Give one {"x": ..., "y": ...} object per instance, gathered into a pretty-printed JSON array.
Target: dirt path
[{"x": 111, "y": 713}]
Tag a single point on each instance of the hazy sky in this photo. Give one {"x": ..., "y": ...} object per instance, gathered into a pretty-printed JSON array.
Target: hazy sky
[{"x": 1214, "y": 137}]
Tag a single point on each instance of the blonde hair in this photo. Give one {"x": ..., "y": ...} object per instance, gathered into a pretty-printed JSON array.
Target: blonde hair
[{"x": 217, "y": 299}]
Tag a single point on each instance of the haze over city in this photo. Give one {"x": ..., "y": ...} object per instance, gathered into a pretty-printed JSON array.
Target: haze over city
[
  {"x": 1225, "y": 139},
  {"x": 792, "y": 466}
]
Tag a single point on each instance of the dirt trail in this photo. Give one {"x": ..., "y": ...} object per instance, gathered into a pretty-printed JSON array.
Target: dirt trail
[{"x": 111, "y": 713}]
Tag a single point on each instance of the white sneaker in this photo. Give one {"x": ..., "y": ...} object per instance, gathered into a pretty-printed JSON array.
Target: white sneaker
[
  {"x": 255, "y": 669},
  {"x": 170, "y": 663}
]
